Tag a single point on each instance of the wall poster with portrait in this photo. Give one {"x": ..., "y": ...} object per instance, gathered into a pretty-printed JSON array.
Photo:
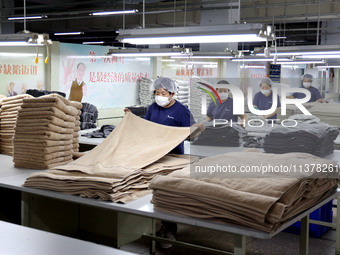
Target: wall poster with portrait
[
  {"x": 89, "y": 74},
  {"x": 19, "y": 72}
]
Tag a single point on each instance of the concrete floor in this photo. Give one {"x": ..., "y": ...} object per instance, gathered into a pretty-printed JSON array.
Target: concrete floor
[{"x": 281, "y": 244}]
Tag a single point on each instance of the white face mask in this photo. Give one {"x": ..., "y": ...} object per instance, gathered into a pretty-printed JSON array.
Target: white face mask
[
  {"x": 162, "y": 101},
  {"x": 224, "y": 95},
  {"x": 265, "y": 91},
  {"x": 306, "y": 84}
]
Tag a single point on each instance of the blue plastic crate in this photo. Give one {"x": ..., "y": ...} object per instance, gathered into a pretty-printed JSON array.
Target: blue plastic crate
[{"x": 324, "y": 213}]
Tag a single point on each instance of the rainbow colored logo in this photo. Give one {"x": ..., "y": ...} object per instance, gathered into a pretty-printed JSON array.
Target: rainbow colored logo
[{"x": 209, "y": 93}]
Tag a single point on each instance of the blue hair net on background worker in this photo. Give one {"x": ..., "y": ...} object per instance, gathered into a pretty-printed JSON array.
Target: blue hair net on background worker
[
  {"x": 263, "y": 100},
  {"x": 307, "y": 80}
]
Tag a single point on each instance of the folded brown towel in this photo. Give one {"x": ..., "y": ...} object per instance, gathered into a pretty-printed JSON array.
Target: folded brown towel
[
  {"x": 39, "y": 148},
  {"x": 75, "y": 104},
  {"x": 263, "y": 201},
  {"x": 39, "y": 129},
  {"x": 45, "y": 121},
  {"x": 38, "y": 103},
  {"x": 48, "y": 135},
  {"x": 41, "y": 142},
  {"x": 43, "y": 114},
  {"x": 41, "y": 166},
  {"x": 23, "y": 154},
  {"x": 15, "y": 98}
]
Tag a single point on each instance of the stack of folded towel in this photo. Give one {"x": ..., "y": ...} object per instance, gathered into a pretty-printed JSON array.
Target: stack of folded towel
[{"x": 45, "y": 132}]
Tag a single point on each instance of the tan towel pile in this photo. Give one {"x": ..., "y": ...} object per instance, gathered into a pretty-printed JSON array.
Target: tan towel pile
[
  {"x": 8, "y": 117},
  {"x": 260, "y": 201},
  {"x": 44, "y": 132},
  {"x": 329, "y": 113},
  {"x": 121, "y": 167}
]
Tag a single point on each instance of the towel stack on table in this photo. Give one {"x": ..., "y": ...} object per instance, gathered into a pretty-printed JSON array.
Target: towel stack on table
[
  {"x": 317, "y": 139},
  {"x": 8, "y": 117},
  {"x": 77, "y": 124},
  {"x": 196, "y": 95},
  {"x": 146, "y": 95},
  {"x": 259, "y": 200},
  {"x": 121, "y": 167},
  {"x": 182, "y": 92},
  {"x": 328, "y": 113},
  {"x": 221, "y": 135},
  {"x": 45, "y": 132}
]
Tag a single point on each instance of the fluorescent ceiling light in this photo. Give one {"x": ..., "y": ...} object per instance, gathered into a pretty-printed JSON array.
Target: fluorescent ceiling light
[
  {"x": 319, "y": 56},
  {"x": 197, "y": 34},
  {"x": 324, "y": 67},
  {"x": 301, "y": 53},
  {"x": 114, "y": 12},
  {"x": 301, "y": 62},
  {"x": 147, "y": 52},
  {"x": 100, "y": 42},
  {"x": 212, "y": 55},
  {"x": 253, "y": 67},
  {"x": 168, "y": 60},
  {"x": 194, "y": 39},
  {"x": 24, "y": 39},
  {"x": 9, "y": 43},
  {"x": 143, "y": 59},
  {"x": 302, "y": 50},
  {"x": 28, "y": 17},
  {"x": 69, "y": 33},
  {"x": 16, "y": 54},
  {"x": 293, "y": 66},
  {"x": 258, "y": 59},
  {"x": 200, "y": 63}
]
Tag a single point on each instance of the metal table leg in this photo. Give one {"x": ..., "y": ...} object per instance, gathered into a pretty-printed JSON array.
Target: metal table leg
[
  {"x": 152, "y": 241},
  {"x": 239, "y": 245},
  {"x": 304, "y": 235}
]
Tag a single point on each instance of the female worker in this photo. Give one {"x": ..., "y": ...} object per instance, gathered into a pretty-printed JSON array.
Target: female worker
[
  {"x": 263, "y": 100},
  {"x": 167, "y": 111},
  {"x": 307, "y": 80},
  {"x": 224, "y": 111}
]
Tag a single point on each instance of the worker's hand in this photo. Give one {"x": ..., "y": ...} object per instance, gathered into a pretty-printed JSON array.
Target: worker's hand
[
  {"x": 290, "y": 97},
  {"x": 321, "y": 100},
  {"x": 199, "y": 129},
  {"x": 200, "y": 126},
  {"x": 126, "y": 110}
]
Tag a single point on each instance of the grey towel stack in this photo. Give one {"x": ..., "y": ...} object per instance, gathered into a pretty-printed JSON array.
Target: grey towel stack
[
  {"x": 89, "y": 116},
  {"x": 259, "y": 126},
  {"x": 45, "y": 132},
  {"x": 316, "y": 139},
  {"x": 182, "y": 92},
  {"x": 307, "y": 119},
  {"x": 146, "y": 95},
  {"x": 329, "y": 113},
  {"x": 221, "y": 135},
  {"x": 195, "y": 105},
  {"x": 8, "y": 117}
]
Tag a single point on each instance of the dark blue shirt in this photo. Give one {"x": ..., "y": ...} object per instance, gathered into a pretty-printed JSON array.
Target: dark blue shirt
[
  {"x": 315, "y": 94},
  {"x": 265, "y": 102},
  {"x": 224, "y": 111},
  {"x": 176, "y": 115}
]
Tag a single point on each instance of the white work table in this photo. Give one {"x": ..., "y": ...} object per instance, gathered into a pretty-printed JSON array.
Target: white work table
[
  {"x": 20, "y": 240},
  {"x": 13, "y": 178}
]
